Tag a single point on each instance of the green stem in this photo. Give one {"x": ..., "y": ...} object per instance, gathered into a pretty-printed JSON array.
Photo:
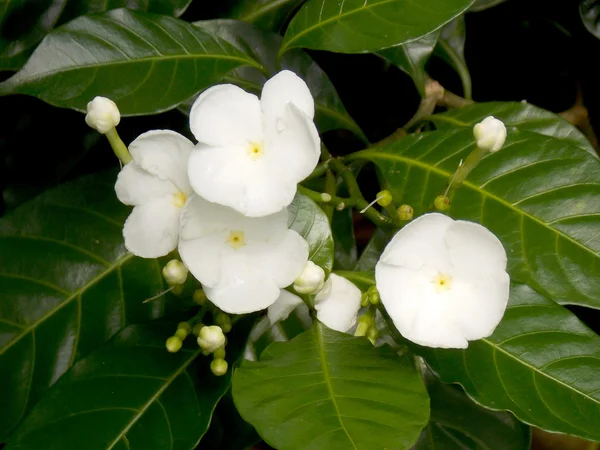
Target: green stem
[
  {"x": 465, "y": 169},
  {"x": 118, "y": 146},
  {"x": 318, "y": 197},
  {"x": 321, "y": 169},
  {"x": 331, "y": 190},
  {"x": 393, "y": 213}
]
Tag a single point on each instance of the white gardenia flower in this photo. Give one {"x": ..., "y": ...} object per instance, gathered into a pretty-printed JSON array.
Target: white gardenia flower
[
  {"x": 283, "y": 306},
  {"x": 443, "y": 282},
  {"x": 242, "y": 262},
  {"x": 102, "y": 114},
  {"x": 252, "y": 153},
  {"x": 490, "y": 134},
  {"x": 311, "y": 280},
  {"x": 337, "y": 304},
  {"x": 156, "y": 184}
]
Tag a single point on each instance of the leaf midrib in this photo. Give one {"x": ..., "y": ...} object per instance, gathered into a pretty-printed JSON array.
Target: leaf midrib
[{"x": 262, "y": 11}]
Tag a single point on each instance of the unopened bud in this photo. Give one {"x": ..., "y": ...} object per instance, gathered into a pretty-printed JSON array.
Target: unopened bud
[
  {"x": 102, "y": 114},
  {"x": 211, "y": 338},
  {"x": 405, "y": 212},
  {"x": 490, "y": 134},
  {"x": 184, "y": 326},
  {"x": 441, "y": 203},
  {"x": 181, "y": 333},
  {"x": 311, "y": 280},
  {"x": 199, "y": 297},
  {"x": 226, "y": 327},
  {"x": 340, "y": 206},
  {"x": 365, "y": 323},
  {"x": 175, "y": 272},
  {"x": 173, "y": 344},
  {"x": 373, "y": 295},
  {"x": 364, "y": 300},
  {"x": 326, "y": 197},
  {"x": 384, "y": 198},
  {"x": 218, "y": 367},
  {"x": 373, "y": 334},
  {"x": 222, "y": 319}
]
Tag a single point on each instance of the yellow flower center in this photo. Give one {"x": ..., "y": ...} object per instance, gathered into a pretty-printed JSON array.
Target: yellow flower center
[
  {"x": 236, "y": 239},
  {"x": 179, "y": 199},
  {"x": 442, "y": 282},
  {"x": 255, "y": 150}
]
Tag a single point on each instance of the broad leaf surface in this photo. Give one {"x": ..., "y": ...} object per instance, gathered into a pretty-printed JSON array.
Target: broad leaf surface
[
  {"x": 329, "y": 111},
  {"x": 67, "y": 284},
  {"x": 311, "y": 223},
  {"x": 329, "y": 390},
  {"x": 345, "y": 243},
  {"x": 541, "y": 363},
  {"x": 131, "y": 394},
  {"x": 451, "y": 48},
  {"x": 520, "y": 116},
  {"x": 362, "y": 26},
  {"x": 538, "y": 194},
  {"x": 146, "y": 63},
  {"x": 76, "y": 8},
  {"x": 269, "y": 15},
  {"x": 372, "y": 251}
]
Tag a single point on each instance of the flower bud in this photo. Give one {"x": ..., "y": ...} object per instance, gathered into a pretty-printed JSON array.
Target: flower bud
[
  {"x": 364, "y": 300},
  {"x": 373, "y": 334},
  {"x": 199, "y": 297},
  {"x": 311, "y": 280},
  {"x": 442, "y": 203},
  {"x": 405, "y": 212},
  {"x": 175, "y": 272},
  {"x": 490, "y": 134},
  {"x": 102, "y": 114},
  {"x": 373, "y": 295},
  {"x": 173, "y": 344},
  {"x": 384, "y": 198},
  {"x": 211, "y": 338},
  {"x": 181, "y": 333},
  {"x": 184, "y": 326},
  {"x": 219, "y": 353},
  {"x": 222, "y": 319},
  {"x": 218, "y": 367},
  {"x": 365, "y": 323}
]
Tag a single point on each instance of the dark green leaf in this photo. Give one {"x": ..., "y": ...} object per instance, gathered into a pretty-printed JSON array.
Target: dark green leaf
[
  {"x": 269, "y": 15},
  {"x": 541, "y": 363},
  {"x": 520, "y": 116},
  {"x": 130, "y": 394},
  {"x": 481, "y": 5},
  {"x": 76, "y": 8},
  {"x": 345, "y": 243},
  {"x": 329, "y": 390},
  {"x": 538, "y": 194},
  {"x": 311, "y": 223},
  {"x": 329, "y": 111},
  {"x": 451, "y": 48},
  {"x": 146, "y": 63},
  {"x": 362, "y": 26},
  {"x": 412, "y": 57},
  {"x": 372, "y": 251},
  {"x": 67, "y": 285},
  {"x": 362, "y": 280}
]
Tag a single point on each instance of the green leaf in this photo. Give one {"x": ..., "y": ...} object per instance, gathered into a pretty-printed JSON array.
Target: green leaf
[
  {"x": 345, "y": 242},
  {"x": 412, "y": 57},
  {"x": 362, "y": 26},
  {"x": 67, "y": 284},
  {"x": 131, "y": 394},
  {"x": 146, "y": 63},
  {"x": 459, "y": 423},
  {"x": 541, "y": 363},
  {"x": 520, "y": 116},
  {"x": 451, "y": 49},
  {"x": 481, "y": 5},
  {"x": 362, "y": 280},
  {"x": 76, "y": 8},
  {"x": 538, "y": 194},
  {"x": 270, "y": 15},
  {"x": 330, "y": 113},
  {"x": 372, "y": 251},
  {"x": 311, "y": 223},
  {"x": 329, "y": 390}
]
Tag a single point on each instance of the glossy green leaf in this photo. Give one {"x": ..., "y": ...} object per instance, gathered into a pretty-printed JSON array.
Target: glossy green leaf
[
  {"x": 362, "y": 26},
  {"x": 372, "y": 251},
  {"x": 76, "y": 8},
  {"x": 311, "y": 223},
  {"x": 67, "y": 284},
  {"x": 329, "y": 390},
  {"x": 131, "y": 394},
  {"x": 269, "y": 15},
  {"x": 541, "y": 363},
  {"x": 362, "y": 280},
  {"x": 345, "y": 242},
  {"x": 451, "y": 48},
  {"x": 329, "y": 110},
  {"x": 481, "y": 5},
  {"x": 520, "y": 116},
  {"x": 412, "y": 57},
  {"x": 146, "y": 63},
  {"x": 538, "y": 194},
  {"x": 458, "y": 423}
]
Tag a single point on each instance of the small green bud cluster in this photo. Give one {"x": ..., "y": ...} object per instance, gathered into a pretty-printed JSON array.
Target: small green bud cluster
[{"x": 175, "y": 342}]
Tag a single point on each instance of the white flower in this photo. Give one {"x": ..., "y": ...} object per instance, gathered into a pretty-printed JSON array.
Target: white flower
[
  {"x": 211, "y": 338},
  {"x": 175, "y": 272},
  {"x": 156, "y": 183},
  {"x": 283, "y": 306},
  {"x": 252, "y": 153},
  {"x": 102, "y": 114},
  {"x": 490, "y": 134},
  {"x": 311, "y": 280},
  {"x": 443, "y": 282},
  {"x": 338, "y": 303},
  {"x": 242, "y": 262}
]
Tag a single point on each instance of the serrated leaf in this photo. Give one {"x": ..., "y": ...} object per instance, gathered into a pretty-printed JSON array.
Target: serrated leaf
[
  {"x": 330, "y": 112},
  {"x": 521, "y": 116},
  {"x": 131, "y": 394},
  {"x": 76, "y": 8},
  {"x": 146, "y": 63},
  {"x": 67, "y": 284},
  {"x": 270, "y": 15},
  {"x": 451, "y": 49},
  {"x": 311, "y": 223},
  {"x": 541, "y": 363},
  {"x": 538, "y": 194},
  {"x": 362, "y": 26},
  {"x": 329, "y": 390}
]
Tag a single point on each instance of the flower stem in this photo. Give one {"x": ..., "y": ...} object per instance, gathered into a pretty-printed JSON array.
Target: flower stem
[
  {"x": 118, "y": 146},
  {"x": 325, "y": 198},
  {"x": 465, "y": 169},
  {"x": 331, "y": 190},
  {"x": 321, "y": 169}
]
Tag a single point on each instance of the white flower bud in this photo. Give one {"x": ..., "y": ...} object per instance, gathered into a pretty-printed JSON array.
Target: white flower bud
[
  {"x": 102, "y": 114},
  {"x": 311, "y": 279},
  {"x": 175, "y": 272},
  {"x": 490, "y": 134},
  {"x": 211, "y": 338}
]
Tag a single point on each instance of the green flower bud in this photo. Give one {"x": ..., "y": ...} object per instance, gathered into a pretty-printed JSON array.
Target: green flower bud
[
  {"x": 222, "y": 319},
  {"x": 184, "y": 326},
  {"x": 373, "y": 295},
  {"x": 173, "y": 344},
  {"x": 197, "y": 328},
  {"x": 442, "y": 203},
  {"x": 405, "y": 212},
  {"x": 373, "y": 335},
  {"x": 226, "y": 327},
  {"x": 175, "y": 272},
  {"x": 384, "y": 198},
  {"x": 311, "y": 280},
  {"x": 211, "y": 338},
  {"x": 218, "y": 367},
  {"x": 199, "y": 297},
  {"x": 364, "y": 300},
  {"x": 181, "y": 333},
  {"x": 220, "y": 353}
]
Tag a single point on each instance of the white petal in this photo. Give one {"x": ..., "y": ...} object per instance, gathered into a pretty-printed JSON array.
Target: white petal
[
  {"x": 165, "y": 154},
  {"x": 283, "y": 88},
  {"x": 204, "y": 258},
  {"x": 339, "y": 308},
  {"x": 420, "y": 243},
  {"x": 283, "y": 306},
  {"x": 135, "y": 186},
  {"x": 226, "y": 115},
  {"x": 152, "y": 229}
]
